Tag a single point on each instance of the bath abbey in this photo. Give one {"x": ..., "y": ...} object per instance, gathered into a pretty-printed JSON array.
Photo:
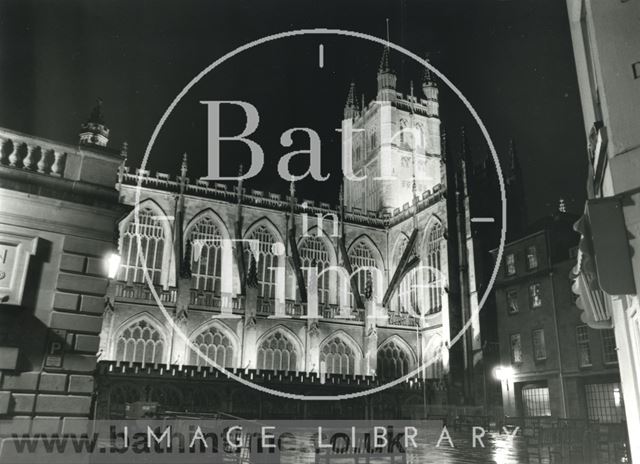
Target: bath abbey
[{"x": 204, "y": 283}]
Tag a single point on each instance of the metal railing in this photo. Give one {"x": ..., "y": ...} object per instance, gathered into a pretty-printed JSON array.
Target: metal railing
[{"x": 552, "y": 439}]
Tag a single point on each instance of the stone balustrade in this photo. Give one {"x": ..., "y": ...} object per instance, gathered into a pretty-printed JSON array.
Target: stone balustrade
[
  {"x": 23, "y": 152},
  {"x": 140, "y": 291},
  {"x": 266, "y": 307},
  {"x": 208, "y": 300},
  {"x": 402, "y": 319},
  {"x": 204, "y": 299},
  {"x": 406, "y": 319}
]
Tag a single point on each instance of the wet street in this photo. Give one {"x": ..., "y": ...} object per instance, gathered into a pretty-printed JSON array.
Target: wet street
[{"x": 498, "y": 449}]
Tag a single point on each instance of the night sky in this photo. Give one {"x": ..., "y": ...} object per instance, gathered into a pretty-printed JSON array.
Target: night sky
[{"x": 512, "y": 59}]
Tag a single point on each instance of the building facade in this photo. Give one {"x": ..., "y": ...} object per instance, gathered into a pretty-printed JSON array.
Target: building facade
[
  {"x": 57, "y": 212},
  {"x": 382, "y": 260},
  {"x": 553, "y": 364},
  {"x": 605, "y": 38},
  {"x": 145, "y": 291}
]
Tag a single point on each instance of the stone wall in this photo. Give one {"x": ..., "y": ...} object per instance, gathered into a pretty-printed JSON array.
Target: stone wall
[{"x": 53, "y": 330}]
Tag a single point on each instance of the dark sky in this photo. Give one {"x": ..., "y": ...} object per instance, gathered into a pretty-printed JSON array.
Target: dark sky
[{"x": 511, "y": 58}]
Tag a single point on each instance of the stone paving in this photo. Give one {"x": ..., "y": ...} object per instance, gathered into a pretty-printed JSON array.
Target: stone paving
[{"x": 498, "y": 449}]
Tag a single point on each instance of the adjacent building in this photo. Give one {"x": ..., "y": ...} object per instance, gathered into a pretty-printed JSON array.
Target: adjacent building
[
  {"x": 552, "y": 363},
  {"x": 607, "y": 273},
  {"x": 58, "y": 208}
]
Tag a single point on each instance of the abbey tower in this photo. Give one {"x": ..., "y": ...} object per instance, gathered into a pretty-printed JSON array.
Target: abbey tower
[{"x": 393, "y": 139}]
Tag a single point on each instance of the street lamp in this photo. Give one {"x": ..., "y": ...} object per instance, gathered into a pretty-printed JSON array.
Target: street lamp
[
  {"x": 504, "y": 373},
  {"x": 113, "y": 264}
]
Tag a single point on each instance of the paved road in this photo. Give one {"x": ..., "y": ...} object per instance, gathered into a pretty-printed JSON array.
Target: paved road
[{"x": 498, "y": 449}]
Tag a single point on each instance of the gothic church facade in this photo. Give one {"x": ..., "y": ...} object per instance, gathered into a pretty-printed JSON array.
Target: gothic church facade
[{"x": 383, "y": 306}]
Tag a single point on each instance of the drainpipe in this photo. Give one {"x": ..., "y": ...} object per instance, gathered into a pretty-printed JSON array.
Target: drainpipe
[
  {"x": 557, "y": 332},
  {"x": 555, "y": 327}
]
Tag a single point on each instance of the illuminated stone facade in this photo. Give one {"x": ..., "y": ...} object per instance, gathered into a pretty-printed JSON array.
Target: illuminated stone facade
[
  {"x": 276, "y": 327},
  {"x": 245, "y": 306}
]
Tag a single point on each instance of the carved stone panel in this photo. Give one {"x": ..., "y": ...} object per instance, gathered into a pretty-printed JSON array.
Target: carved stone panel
[{"x": 15, "y": 252}]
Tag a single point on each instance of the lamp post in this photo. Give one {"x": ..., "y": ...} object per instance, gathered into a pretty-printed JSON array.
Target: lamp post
[
  {"x": 505, "y": 375},
  {"x": 112, "y": 265}
]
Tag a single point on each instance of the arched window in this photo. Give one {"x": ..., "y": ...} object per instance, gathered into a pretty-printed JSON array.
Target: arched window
[
  {"x": 140, "y": 342},
  {"x": 360, "y": 257},
  {"x": 277, "y": 353},
  {"x": 406, "y": 299},
  {"x": 206, "y": 255},
  {"x": 338, "y": 357},
  {"x": 420, "y": 142},
  {"x": 371, "y": 192},
  {"x": 435, "y": 367},
  {"x": 393, "y": 360},
  {"x": 152, "y": 237},
  {"x": 403, "y": 126},
  {"x": 216, "y": 345},
  {"x": 313, "y": 252},
  {"x": 434, "y": 277},
  {"x": 266, "y": 260}
]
